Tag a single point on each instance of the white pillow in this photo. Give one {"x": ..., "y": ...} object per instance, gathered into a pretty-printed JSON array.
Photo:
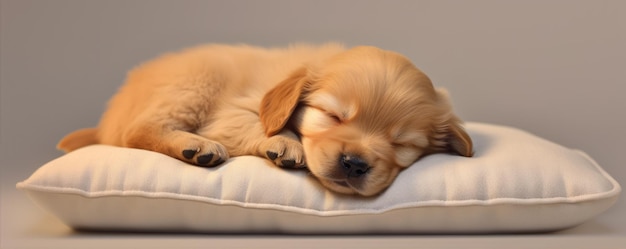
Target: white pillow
[{"x": 516, "y": 182}]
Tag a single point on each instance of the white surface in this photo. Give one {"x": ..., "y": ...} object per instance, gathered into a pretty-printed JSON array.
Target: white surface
[
  {"x": 515, "y": 182},
  {"x": 29, "y": 227},
  {"x": 554, "y": 68}
]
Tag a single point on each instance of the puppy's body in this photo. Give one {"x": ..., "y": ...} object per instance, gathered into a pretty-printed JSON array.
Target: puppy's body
[
  {"x": 214, "y": 91},
  {"x": 363, "y": 114}
]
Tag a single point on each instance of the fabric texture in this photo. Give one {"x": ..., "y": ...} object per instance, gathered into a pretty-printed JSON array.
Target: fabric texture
[{"x": 516, "y": 182}]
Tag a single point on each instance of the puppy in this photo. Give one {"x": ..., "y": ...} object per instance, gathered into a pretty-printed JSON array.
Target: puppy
[{"x": 355, "y": 117}]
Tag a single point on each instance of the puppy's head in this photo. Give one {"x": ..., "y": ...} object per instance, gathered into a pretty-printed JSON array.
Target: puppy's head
[{"x": 363, "y": 116}]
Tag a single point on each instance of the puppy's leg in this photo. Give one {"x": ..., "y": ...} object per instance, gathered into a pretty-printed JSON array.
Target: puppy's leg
[
  {"x": 284, "y": 149},
  {"x": 242, "y": 133},
  {"x": 170, "y": 132}
]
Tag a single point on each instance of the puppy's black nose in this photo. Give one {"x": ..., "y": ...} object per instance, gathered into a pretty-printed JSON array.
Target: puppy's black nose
[{"x": 353, "y": 166}]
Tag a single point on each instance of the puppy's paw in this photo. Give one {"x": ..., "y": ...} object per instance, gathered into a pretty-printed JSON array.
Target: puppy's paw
[
  {"x": 204, "y": 152},
  {"x": 284, "y": 151}
]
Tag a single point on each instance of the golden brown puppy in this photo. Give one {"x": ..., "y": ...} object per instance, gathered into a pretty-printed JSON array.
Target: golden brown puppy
[{"x": 358, "y": 116}]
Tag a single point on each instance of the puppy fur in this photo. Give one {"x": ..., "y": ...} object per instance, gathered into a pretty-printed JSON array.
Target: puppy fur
[{"x": 355, "y": 117}]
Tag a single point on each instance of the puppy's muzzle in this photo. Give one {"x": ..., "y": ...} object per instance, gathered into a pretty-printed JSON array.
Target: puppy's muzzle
[{"x": 353, "y": 166}]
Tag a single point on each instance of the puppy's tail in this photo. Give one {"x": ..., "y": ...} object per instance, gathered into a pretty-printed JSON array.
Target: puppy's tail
[{"x": 78, "y": 139}]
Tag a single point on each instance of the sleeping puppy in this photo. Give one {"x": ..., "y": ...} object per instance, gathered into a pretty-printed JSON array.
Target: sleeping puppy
[{"x": 355, "y": 117}]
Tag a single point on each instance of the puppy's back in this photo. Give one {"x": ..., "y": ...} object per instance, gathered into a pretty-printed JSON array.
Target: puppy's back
[{"x": 212, "y": 70}]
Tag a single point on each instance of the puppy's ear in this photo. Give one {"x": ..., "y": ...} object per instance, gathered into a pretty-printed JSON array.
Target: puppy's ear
[
  {"x": 451, "y": 137},
  {"x": 459, "y": 142},
  {"x": 279, "y": 103}
]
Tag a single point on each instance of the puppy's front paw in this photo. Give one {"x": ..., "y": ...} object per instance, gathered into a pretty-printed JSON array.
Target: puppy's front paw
[
  {"x": 284, "y": 151},
  {"x": 204, "y": 153}
]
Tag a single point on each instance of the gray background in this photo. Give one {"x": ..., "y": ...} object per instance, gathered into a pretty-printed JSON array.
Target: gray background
[{"x": 554, "y": 68}]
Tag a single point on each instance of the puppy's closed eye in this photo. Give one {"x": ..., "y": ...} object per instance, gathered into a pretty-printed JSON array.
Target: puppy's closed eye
[
  {"x": 406, "y": 155},
  {"x": 335, "y": 117},
  {"x": 408, "y": 146},
  {"x": 313, "y": 120},
  {"x": 322, "y": 112}
]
